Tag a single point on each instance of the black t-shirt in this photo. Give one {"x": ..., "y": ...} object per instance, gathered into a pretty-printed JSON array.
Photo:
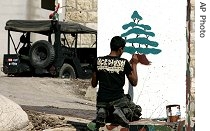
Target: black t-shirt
[{"x": 111, "y": 73}]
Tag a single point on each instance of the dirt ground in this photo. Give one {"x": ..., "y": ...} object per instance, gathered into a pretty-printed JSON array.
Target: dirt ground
[{"x": 51, "y": 103}]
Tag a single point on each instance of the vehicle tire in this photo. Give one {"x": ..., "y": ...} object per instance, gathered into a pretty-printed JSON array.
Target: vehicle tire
[
  {"x": 67, "y": 71},
  {"x": 41, "y": 54}
]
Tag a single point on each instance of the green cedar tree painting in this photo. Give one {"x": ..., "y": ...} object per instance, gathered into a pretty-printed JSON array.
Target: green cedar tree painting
[{"x": 141, "y": 34}]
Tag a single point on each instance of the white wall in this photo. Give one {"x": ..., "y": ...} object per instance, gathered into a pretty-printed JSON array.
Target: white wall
[
  {"x": 20, "y": 9},
  {"x": 163, "y": 82}
]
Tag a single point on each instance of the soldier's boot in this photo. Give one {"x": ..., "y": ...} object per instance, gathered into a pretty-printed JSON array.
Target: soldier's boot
[{"x": 101, "y": 117}]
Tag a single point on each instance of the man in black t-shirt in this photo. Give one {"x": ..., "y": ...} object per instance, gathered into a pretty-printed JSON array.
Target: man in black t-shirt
[{"x": 109, "y": 72}]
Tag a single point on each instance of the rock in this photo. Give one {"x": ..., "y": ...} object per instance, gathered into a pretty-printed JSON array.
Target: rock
[{"x": 12, "y": 116}]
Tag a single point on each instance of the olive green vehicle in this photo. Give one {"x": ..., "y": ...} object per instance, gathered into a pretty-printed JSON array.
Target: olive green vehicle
[{"x": 57, "y": 55}]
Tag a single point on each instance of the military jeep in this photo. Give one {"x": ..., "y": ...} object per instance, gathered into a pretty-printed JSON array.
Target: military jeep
[{"x": 55, "y": 52}]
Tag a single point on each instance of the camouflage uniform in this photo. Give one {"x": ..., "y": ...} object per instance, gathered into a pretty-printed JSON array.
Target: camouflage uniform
[{"x": 127, "y": 111}]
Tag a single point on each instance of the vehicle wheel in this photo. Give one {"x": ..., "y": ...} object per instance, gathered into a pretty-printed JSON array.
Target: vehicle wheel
[
  {"x": 67, "y": 71},
  {"x": 41, "y": 54}
]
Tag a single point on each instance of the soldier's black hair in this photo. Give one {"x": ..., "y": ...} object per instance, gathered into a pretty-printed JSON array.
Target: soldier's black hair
[{"x": 116, "y": 43}]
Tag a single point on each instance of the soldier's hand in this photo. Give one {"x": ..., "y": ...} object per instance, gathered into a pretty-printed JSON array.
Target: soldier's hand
[{"x": 134, "y": 59}]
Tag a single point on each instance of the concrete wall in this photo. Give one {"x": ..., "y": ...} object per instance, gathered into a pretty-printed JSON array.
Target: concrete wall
[
  {"x": 189, "y": 55},
  {"x": 163, "y": 82}
]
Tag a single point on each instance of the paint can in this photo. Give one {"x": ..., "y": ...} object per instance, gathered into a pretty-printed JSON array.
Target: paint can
[{"x": 173, "y": 113}]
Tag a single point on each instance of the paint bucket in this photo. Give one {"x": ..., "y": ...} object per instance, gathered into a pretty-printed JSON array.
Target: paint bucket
[{"x": 173, "y": 113}]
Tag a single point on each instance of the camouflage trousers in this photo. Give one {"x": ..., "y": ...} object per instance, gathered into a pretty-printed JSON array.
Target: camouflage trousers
[{"x": 131, "y": 111}]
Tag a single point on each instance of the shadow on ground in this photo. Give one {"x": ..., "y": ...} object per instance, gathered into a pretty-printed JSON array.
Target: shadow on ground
[{"x": 85, "y": 114}]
